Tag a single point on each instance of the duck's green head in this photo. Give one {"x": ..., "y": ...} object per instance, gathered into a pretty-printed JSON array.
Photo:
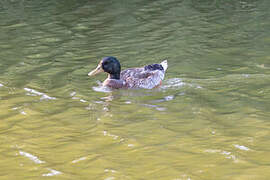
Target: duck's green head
[{"x": 109, "y": 65}]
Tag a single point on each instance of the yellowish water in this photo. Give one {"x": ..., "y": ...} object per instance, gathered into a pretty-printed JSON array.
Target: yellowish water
[{"x": 210, "y": 120}]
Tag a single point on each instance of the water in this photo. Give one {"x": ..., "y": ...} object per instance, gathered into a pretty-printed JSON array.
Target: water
[{"x": 209, "y": 119}]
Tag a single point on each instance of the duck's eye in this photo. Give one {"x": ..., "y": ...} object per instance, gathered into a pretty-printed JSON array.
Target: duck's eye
[{"x": 106, "y": 62}]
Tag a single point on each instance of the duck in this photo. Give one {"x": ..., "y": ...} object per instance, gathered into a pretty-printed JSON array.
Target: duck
[{"x": 147, "y": 77}]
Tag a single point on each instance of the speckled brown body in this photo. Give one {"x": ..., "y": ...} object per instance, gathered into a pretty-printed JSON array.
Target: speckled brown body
[
  {"x": 135, "y": 78},
  {"x": 146, "y": 77},
  {"x": 141, "y": 78}
]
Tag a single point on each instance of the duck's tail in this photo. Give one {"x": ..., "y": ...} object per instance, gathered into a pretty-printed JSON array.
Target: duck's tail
[
  {"x": 152, "y": 67},
  {"x": 164, "y": 64}
]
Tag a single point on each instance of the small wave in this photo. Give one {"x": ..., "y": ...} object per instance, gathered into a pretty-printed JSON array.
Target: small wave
[
  {"x": 81, "y": 100},
  {"x": 110, "y": 178},
  {"x": 159, "y": 108},
  {"x": 80, "y": 159},
  {"x": 169, "y": 98},
  {"x": 23, "y": 112},
  {"x": 166, "y": 98},
  {"x": 31, "y": 157},
  {"x": 102, "y": 89},
  {"x": 173, "y": 83},
  {"x": 244, "y": 148},
  {"x": 36, "y": 93},
  {"x": 110, "y": 170},
  {"x": 130, "y": 145},
  {"x": 106, "y": 133},
  {"x": 52, "y": 172},
  {"x": 73, "y": 95},
  {"x": 36, "y": 160},
  {"x": 227, "y": 154},
  {"x": 20, "y": 110},
  {"x": 246, "y": 75}
]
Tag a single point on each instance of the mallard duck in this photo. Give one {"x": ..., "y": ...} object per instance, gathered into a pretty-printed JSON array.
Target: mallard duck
[{"x": 146, "y": 77}]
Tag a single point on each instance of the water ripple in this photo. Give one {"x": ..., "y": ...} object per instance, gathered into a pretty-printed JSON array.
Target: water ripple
[
  {"x": 80, "y": 159},
  {"x": 52, "y": 172},
  {"x": 33, "y": 92},
  {"x": 31, "y": 157},
  {"x": 159, "y": 108},
  {"x": 173, "y": 83},
  {"x": 36, "y": 160},
  {"x": 227, "y": 154},
  {"x": 102, "y": 89},
  {"x": 244, "y": 148},
  {"x": 106, "y": 133}
]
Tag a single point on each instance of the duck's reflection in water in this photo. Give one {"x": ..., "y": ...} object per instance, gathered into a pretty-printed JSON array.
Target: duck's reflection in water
[{"x": 139, "y": 96}]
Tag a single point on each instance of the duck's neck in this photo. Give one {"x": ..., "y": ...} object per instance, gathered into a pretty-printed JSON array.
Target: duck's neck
[{"x": 114, "y": 76}]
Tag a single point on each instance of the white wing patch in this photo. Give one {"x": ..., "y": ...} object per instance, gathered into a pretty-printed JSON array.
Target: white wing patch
[{"x": 164, "y": 64}]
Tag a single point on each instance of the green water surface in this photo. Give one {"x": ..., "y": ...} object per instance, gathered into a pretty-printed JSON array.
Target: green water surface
[{"x": 210, "y": 120}]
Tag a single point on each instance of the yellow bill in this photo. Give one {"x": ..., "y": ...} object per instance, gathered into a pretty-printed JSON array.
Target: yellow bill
[{"x": 96, "y": 71}]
